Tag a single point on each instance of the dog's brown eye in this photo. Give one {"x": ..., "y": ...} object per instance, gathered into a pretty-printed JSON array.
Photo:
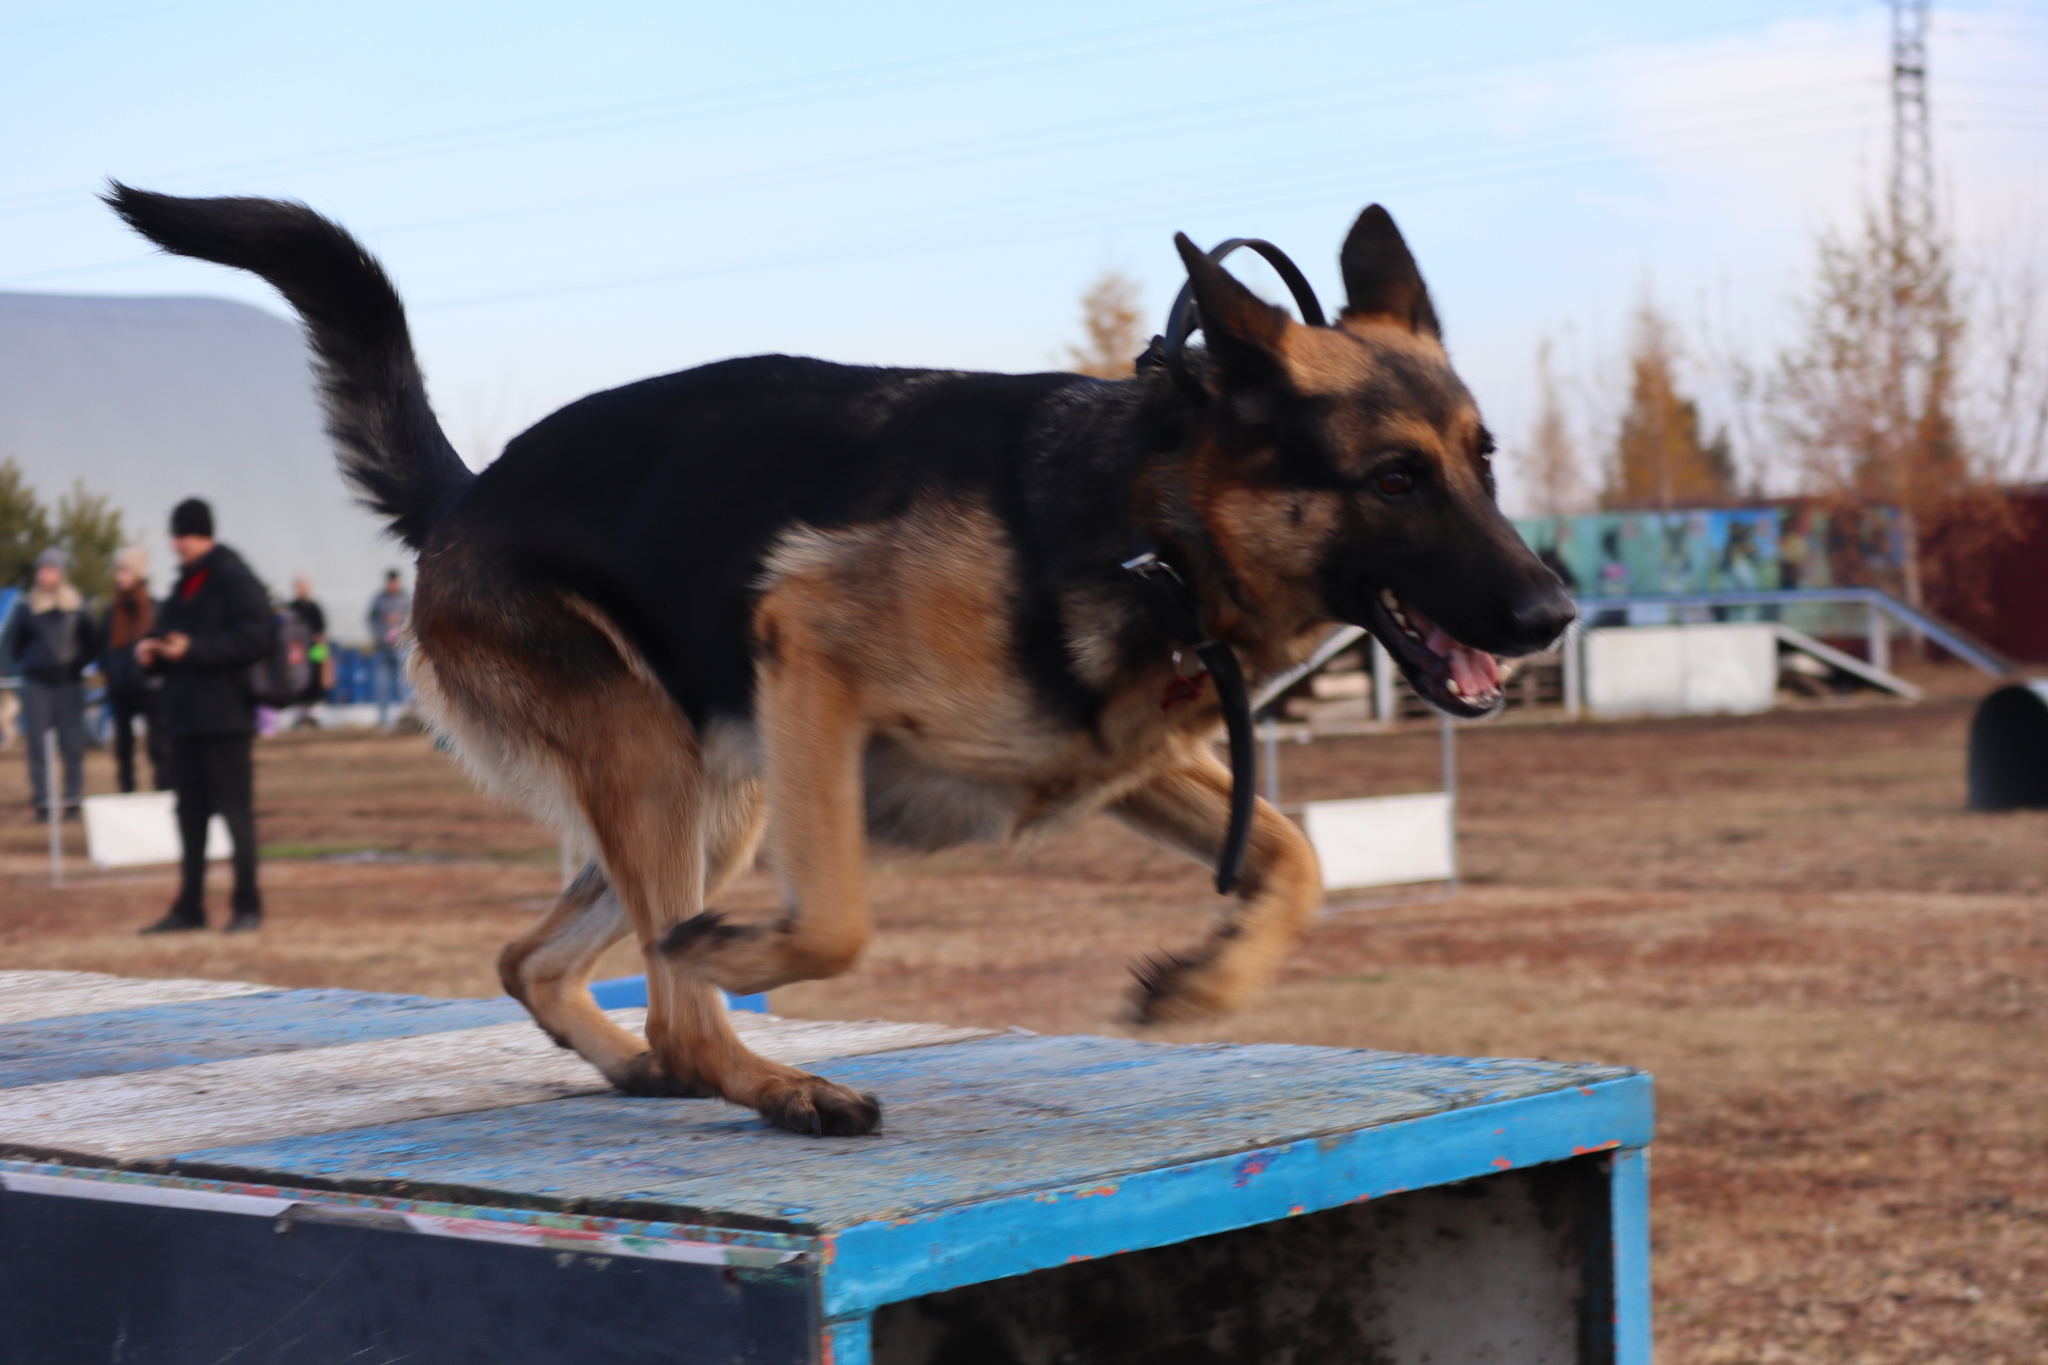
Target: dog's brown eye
[{"x": 1394, "y": 483}]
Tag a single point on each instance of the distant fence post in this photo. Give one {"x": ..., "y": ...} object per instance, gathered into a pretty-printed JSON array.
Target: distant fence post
[
  {"x": 1450, "y": 753},
  {"x": 1382, "y": 682},
  {"x": 1574, "y": 688}
]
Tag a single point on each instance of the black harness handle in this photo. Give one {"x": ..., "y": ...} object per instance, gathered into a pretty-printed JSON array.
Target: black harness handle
[
  {"x": 1182, "y": 616},
  {"x": 1178, "y": 606},
  {"x": 1183, "y": 318}
]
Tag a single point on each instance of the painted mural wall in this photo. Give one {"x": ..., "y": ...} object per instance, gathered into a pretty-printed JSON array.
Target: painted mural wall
[{"x": 1712, "y": 550}]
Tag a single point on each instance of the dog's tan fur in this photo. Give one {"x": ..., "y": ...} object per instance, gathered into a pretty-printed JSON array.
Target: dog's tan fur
[{"x": 881, "y": 654}]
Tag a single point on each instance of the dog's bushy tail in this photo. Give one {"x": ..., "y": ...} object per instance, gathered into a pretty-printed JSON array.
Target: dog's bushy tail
[{"x": 391, "y": 446}]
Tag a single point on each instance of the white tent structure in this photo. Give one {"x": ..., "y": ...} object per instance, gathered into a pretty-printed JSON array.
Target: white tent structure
[{"x": 153, "y": 400}]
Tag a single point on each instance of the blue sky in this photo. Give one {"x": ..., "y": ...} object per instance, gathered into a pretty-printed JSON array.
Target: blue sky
[{"x": 577, "y": 196}]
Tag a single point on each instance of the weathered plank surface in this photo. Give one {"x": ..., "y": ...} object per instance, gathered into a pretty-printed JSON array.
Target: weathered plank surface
[
  {"x": 964, "y": 1123},
  {"x": 111, "y": 1043},
  {"x": 49, "y": 995},
  {"x": 137, "y": 1114}
]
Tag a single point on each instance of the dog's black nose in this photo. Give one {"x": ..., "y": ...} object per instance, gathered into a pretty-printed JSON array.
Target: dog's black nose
[{"x": 1542, "y": 616}]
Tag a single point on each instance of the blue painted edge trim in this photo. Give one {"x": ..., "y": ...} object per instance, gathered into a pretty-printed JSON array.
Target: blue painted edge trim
[
  {"x": 630, "y": 992},
  {"x": 1630, "y": 1196},
  {"x": 870, "y": 1264},
  {"x": 848, "y": 1341}
]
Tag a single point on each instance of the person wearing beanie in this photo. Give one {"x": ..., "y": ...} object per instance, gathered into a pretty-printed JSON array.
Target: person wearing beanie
[
  {"x": 51, "y": 639},
  {"x": 192, "y": 519},
  {"x": 131, "y": 690},
  {"x": 213, "y": 627}
]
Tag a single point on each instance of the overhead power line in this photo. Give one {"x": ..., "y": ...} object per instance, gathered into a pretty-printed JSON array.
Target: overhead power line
[{"x": 1149, "y": 36}]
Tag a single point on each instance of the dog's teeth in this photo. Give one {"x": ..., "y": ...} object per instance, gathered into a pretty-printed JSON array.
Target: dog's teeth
[
  {"x": 1389, "y": 601},
  {"x": 1454, "y": 689}
]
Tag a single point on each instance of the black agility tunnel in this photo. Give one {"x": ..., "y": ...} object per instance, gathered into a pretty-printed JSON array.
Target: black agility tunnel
[{"x": 2009, "y": 749}]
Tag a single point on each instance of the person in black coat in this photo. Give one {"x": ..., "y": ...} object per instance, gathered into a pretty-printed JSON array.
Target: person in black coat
[
  {"x": 215, "y": 624},
  {"x": 52, "y": 638}
]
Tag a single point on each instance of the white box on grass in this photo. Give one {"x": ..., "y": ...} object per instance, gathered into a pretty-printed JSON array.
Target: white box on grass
[
  {"x": 1383, "y": 840},
  {"x": 1681, "y": 670},
  {"x": 142, "y": 827}
]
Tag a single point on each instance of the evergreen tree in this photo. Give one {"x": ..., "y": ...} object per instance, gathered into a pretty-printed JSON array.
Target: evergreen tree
[
  {"x": 91, "y": 532},
  {"x": 24, "y": 527},
  {"x": 1659, "y": 459}
]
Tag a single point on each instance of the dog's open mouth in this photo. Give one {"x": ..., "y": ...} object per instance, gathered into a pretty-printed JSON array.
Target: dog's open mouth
[{"x": 1451, "y": 677}]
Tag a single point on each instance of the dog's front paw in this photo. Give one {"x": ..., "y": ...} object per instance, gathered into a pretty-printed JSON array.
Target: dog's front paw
[
  {"x": 645, "y": 1077},
  {"x": 816, "y": 1107},
  {"x": 1172, "y": 989}
]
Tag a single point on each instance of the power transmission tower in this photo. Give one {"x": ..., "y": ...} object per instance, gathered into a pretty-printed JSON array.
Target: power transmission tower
[
  {"x": 1916, "y": 370},
  {"x": 1911, "y": 199}
]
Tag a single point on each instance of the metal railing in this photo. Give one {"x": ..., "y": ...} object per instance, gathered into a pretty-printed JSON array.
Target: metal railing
[{"x": 1876, "y": 603}]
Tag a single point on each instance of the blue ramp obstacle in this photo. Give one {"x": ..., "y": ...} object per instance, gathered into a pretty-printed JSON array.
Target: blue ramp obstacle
[{"x": 203, "y": 1171}]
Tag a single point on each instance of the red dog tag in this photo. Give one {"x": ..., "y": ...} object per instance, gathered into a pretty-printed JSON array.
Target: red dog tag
[{"x": 1184, "y": 689}]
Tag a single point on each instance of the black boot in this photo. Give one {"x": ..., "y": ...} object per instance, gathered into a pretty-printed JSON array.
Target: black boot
[
  {"x": 245, "y": 922},
  {"x": 180, "y": 918}
]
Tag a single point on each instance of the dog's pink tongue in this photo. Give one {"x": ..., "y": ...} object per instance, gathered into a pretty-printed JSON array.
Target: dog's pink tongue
[{"x": 1476, "y": 672}]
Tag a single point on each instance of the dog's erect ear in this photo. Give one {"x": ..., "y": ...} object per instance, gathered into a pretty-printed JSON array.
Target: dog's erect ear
[
  {"x": 1241, "y": 329},
  {"x": 1381, "y": 282}
]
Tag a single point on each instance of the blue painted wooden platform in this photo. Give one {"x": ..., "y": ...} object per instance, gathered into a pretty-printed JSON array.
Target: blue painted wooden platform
[{"x": 1001, "y": 1157}]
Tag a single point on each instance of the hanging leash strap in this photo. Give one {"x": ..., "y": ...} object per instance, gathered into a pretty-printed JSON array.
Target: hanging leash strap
[
  {"x": 1182, "y": 616},
  {"x": 1178, "y": 608}
]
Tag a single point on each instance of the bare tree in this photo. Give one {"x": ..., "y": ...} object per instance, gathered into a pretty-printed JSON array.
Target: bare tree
[
  {"x": 1550, "y": 464},
  {"x": 1659, "y": 459},
  {"x": 1868, "y": 402},
  {"x": 2006, "y": 410},
  {"x": 1112, "y": 324}
]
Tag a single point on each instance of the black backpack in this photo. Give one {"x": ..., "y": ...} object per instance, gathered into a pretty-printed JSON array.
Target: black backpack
[{"x": 280, "y": 678}]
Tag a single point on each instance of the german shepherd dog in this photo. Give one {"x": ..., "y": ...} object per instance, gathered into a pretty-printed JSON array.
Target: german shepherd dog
[{"x": 781, "y": 600}]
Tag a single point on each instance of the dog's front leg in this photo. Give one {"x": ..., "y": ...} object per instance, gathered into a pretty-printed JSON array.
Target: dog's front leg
[
  {"x": 814, "y": 736},
  {"x": 1188, "y": 807}
]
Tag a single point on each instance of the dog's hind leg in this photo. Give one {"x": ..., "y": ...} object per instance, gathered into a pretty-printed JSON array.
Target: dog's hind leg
[
  {"x": 548, "y": 969},
  {"x": 813, "y": 735},
  {"x": 1188, "y": 807},
  {"x": 538, "y": 697},
  {"x": 665, "y": 828}
]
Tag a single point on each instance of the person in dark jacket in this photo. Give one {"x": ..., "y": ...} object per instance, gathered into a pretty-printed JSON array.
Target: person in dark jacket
[
  {"x": 131, "y": 690},
  {"x": 52, "y": 639},
  {"x": 215, "y": 624}
]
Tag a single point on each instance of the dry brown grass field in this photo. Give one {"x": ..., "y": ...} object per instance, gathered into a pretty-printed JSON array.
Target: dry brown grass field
[{"x": 1839, "y": 977}]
